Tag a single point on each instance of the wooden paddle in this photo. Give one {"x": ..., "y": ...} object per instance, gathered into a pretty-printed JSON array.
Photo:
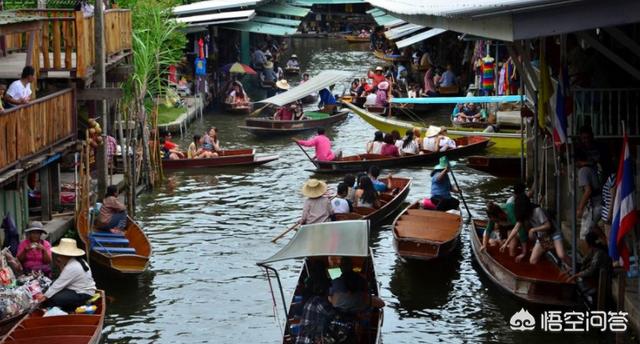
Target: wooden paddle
[
  {"x": 294, "y": 226},
  {"x": 459, "y": 190},
  {"x": 305, "y": 153},
  {"x": 258, "y": 111}
]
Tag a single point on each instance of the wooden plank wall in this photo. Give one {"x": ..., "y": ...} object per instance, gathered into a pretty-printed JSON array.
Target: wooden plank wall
[{"x": 118, "y": 31}]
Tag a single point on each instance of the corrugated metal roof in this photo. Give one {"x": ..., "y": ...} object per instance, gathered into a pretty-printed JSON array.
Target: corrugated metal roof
[
  {"x": 212, "y": 5},
  {"x": 269, "y": 29},
  {"x": 401, "y": 31},
  {"x": 463, "y": 8},
  {"x": 284, "y": 9},
  {"x": 388, "y": 20},
  {"x": 328, "y": 2},
  {"x": 419, "y": 38},
  {"x": 217, "y": 18},
  {"x": 277, "y": 21}
]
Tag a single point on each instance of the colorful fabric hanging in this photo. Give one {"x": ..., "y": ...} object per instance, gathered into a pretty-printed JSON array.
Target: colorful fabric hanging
[{"x": 488, "y": 73}]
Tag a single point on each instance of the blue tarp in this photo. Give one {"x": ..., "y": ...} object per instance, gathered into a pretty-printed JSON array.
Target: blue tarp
[{"x": 456, "y": 100}]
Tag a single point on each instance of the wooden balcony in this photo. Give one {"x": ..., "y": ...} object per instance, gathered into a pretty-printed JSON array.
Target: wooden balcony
[
  {"x": 37, "y": 128},
  {"x": 65, "y": 45}
]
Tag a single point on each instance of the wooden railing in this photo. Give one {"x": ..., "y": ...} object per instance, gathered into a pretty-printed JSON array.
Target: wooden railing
[
  {"x": 30, "y": 129},
  {"x": 67, "y": 40}
]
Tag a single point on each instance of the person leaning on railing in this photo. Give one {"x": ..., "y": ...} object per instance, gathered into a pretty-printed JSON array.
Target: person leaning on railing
[{"x": 19, "y": 91}]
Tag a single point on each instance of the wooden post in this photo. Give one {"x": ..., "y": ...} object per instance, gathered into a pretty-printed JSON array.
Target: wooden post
[
  {"x": 45, "y": 194},
  {"x": 100, "y": 82},
  {"x": 81, "y": 63},
  {"x": 603, "y": 279},
  {"x": 31, "y": 36}
]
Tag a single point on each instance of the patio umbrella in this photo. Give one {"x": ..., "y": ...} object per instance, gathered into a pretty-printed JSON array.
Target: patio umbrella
[{"x": 238, "y": 68}]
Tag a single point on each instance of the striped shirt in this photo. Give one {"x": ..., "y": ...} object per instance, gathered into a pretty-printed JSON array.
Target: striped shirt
[{"x": 606, "y": 197}]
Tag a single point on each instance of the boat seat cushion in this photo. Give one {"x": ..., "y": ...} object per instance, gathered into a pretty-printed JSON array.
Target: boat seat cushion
[
  {"x": 115, "y": 250},
  {"x": 107, "y": 235},
  {"x": 110, "y": 241}
]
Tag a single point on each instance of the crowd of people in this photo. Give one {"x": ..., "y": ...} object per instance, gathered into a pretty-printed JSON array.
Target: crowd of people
[{"x": 202, "y": 146}]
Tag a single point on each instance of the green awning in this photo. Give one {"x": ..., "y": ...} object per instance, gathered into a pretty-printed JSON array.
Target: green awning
[
  {"x": 277, "y": 21},
  {"x": 269, "y": 29},
  {"x": 286, "y": 10},
  {"x": 328, "y": 2}
]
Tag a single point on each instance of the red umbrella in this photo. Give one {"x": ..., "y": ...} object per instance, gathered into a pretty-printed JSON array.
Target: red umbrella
[{"x": 238, "y": 67}]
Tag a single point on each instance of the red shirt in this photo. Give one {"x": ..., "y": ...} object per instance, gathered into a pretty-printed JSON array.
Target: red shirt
[
  {"x": 284, "y": 114},
  {"x": 169, "y": 145},
  {"x": 389, "y": 150},
  {"x": 377, "y": 78}
]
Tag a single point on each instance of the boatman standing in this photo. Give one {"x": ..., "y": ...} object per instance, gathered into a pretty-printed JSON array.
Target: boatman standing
[{"x": 322, "y": 145}]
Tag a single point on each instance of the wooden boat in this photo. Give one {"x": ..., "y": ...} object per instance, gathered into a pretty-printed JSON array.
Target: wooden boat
[
  {"x": 123, "y": 254},
  {"x": 271, "y": 127},
  {"x": 543, "y": 283},
  {"x": 362, "y": 162},
  {"x": 320, "y": 244},
  {"x": 505, "y": 143},
  {"x": 425, "y": 234},
  {"x": 378, "y": 110},
  {"x": 241, "y": 109},
  {"x": 7, "y": 324},
  {"x": 226, "y": 158},
  {"x": 390, "y": 200},
  {"x": 62, "y": 329},
  {"x": 356, "y": 39},
  {"x": 292, "y": 71},
  {"x": 499, "y": 166},
  {"x": 473, "y": 125},
  {"x": 389, "y": 58}
]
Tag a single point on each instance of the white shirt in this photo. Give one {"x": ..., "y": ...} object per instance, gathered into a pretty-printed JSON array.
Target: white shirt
[
  {"x": 73, "y": 277},
  {"x": 17, "y": 90},
  {"x": 411, "y": 148},
  {"x": 371, "y": 99},
  {"x": 375, "y": 147},
  {"x": 340, "y": 205}
]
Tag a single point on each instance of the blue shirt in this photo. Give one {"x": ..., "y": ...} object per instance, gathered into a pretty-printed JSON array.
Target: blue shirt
[
  {"x": 440, "y": 188},
  {"x": 326, "y": 98},
  {"x": 448, "y": 79},
  {"x": 379, "y": 186}
]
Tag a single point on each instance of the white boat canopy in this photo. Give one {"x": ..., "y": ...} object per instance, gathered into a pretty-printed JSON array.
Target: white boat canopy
[
  {"x": 340, "y": 238},
  {"x": 315, "y": 84}
]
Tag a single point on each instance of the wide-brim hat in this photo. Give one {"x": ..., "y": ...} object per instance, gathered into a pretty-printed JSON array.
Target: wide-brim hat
[
  {"x": 283, "y": 85},
  {"x": 268, "y": 65},
  {"x": 379, "y": 69},
  {"x": 294, "y": 56},
  {"x": 383, "y": 86},
  {"x": 314, "y": 188},
  {"x": 67, "y": 247},
  {"x": 432, "y": 131},
  {"x": 444, "y": 162},
  {"x": 35, "y": 226}
]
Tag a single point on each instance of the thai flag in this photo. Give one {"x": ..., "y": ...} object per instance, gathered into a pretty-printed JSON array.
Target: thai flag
[
  {"x": 563, "y": 106},
  {"x": 624, "y": 207}
]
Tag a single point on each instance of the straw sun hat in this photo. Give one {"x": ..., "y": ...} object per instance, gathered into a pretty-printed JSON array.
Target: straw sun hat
[
  {"x": 314, "y": 188},
  {"x": 35, "y": 226},
  {"x": 67, "y": 247},
  {"x": 433, "y": 131},
  {"x": 283, "y": 84}
]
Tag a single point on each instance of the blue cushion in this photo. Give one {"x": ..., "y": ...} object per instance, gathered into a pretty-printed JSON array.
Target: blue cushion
[
  {"x": 110, "y": 241},
  {"x": 115, "y": 250},
  {"x": 107, "y": 234}
]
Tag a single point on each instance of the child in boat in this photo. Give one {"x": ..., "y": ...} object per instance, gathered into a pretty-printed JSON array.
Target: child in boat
[
  {"x": 194, "y": 149},
  {"x": 340, "y": 204},
  {"x": 503, "y": 218},
  {"x": 317, "y": 207}
]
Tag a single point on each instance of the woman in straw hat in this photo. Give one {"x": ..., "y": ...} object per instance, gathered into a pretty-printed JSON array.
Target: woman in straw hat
[
  {"x": 75, "y": 284},
  {"x": 317, "y": 208},
  {"x": 34, "y": 252},
  {"x": 441, "y": 187},
  {"x": 282, "y": 86}
]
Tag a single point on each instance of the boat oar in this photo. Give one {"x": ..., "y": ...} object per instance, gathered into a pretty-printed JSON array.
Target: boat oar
[
  {"x": 459, "y": 190},
  {"x": 294, "y": 226},
  {"x": 259, "y": 110},
  {"x": 305, "y": 153}
]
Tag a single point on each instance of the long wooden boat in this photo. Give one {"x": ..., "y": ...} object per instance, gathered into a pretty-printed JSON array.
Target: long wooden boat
[
  {"x": 362, "y": 162},
  {"x": 62, "y": 329},
  {"x": 505, "y": 143},
  {"x": 389, "y": 58},
  {"x": 542, "y": 283},
  {"x": 271, "y": 127},
  {"x": 499, "y": 166},
  {"x": 324, "y": 245},
  {"x": 226, "y": 158},
  {"x": 425, "y": 234},
  {"x": 237, "y": 108},
  {"x": 391, "y": 201},
  {"x": 123, "y": 254},
  {"x": 356, "y": 39}
]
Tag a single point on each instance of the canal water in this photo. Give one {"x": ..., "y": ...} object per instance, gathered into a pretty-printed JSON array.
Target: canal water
[{"x": 209, "y": 228}]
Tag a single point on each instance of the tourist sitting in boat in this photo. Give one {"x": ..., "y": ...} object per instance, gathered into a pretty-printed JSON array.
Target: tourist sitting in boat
[
  {"x": 441, "y": 187},
  {"x": 376, "y": 76},
  {"x": 408, "y": 145},
  {"x": 285, "y": 113},
  {"x": 75, "y": 284},
  {"x": 328, "y": 102},
  {"x": 389, "y": 147},
  {"x": 436, "y": 140},
  {"x": 340, "y": 204},
  {"x": 363, "y": 88},
  {"x": 293, "y": 62},
  {"x": 317, "y": 207},
  {"x": 195, "y": 150},
  {"x": 538, "y": 225},
  {"x": 355, "y": 87},
  {"x": 350, "y": 181},
  {"x": 172, "y": 147},
  {"x": 210, "y": 143},
  {"x": 113, "y": 214},
  {"x": 238, "y": 96},
  {"x": 305, "y": 78},
  {"x": 502, "y": 217},
  {"x": 596, "y": 260},
  {"x": 317, "y": 310},
  {"x": 165, "y": 153},
  {"x": 448, "y": 78},
  {"x": 371, "y": 98},
  {"x": 34, "y": 252},
  {"x": 366, "y": 195},
  {"x": 375, "y": 146},
  {"x": 417, "y": 134},
  {"x": 322, "y": 145},
  {"x": 373, "y": 173},
  {"x": 467, "y": 113},
  {"x": 349, "y": 292},
  {"x": 381, "y": 95}
]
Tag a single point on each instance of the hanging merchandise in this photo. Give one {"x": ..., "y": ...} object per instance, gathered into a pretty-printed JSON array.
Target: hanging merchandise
[
  {"x": 201, "y": 67},
  {"x": 207, "y": 41},
  {"x": 488, "y": 71}
]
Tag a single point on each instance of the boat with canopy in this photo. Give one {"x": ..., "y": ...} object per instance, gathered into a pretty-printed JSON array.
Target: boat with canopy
[
  {"x": 323, "y": 244},
  {"x": 267, "y": 126}
]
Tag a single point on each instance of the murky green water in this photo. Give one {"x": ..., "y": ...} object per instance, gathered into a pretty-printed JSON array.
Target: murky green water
[{"x": 209, "y": 228}]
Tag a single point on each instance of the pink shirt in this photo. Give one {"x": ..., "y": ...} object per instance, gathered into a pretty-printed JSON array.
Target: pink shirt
[
  {"x": 389, "y": 150},
  {"x": 381, "y": 98},
  {"x": 33, "y": 258},
  {"x": 322, "y": 145},
  {"x": 428, "y": 81}
]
